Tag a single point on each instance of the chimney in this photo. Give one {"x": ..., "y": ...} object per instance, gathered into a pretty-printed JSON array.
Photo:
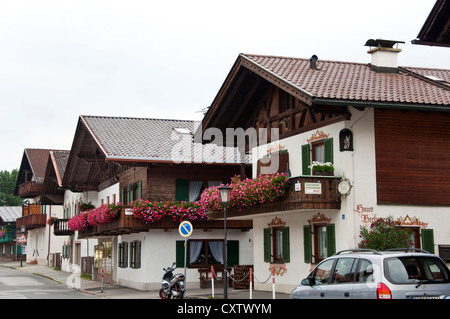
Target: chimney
[
  {"x": 313, "y": 62},
  {"x": 384, "y": 55}
]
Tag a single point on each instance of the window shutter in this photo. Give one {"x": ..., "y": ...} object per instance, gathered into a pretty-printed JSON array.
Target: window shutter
[
  {"x": 120, "y": 252},
  {"x": 139, "y": 190},
  {"x": 125, "y": 254},
  {"x": 331, "y": 240},
  {"x": 179, "y": 254},
  {"x": 131, "y": 254},
  {"x": 307, "y": 243},
  {"x": 267, "y": 245},
  {"x": 306, "y": 160},
  {"x": 137, "y": 263},
  {"x": 428, "y": 240},
  {"x": 286, "y": 245},
  {"x": 182, "y": 190},
  {"x": 122, "y": 196},
  {"x": 232, "y": 252},
  {"x": 328, "y": 145}
]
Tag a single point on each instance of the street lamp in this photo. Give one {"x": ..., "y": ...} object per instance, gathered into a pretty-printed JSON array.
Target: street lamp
[{"x": 225, "y": 192}]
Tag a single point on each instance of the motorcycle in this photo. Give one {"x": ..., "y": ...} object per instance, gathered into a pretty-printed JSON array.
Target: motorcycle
[{"x": 172, "y": 285}]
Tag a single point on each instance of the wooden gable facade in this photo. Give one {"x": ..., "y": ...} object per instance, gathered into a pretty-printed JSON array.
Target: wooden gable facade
[
  {"x": 410, "y": 137},
  {"x": 252, "y": 97}
]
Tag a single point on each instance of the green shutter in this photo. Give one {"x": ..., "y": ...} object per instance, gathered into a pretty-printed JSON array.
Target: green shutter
[
  {"x": 122, "y": 199},
  {"x": 232, "y": 252},
  {"x": 428, "y": 240},
  {"x": 307, "y": 243},
  {"x": 182, "y": 190},
  {"x": 179, "y": 254},
  {"x": 306, "y": 160},
  {"x": 331, "y": 240},
  {"x": 328, "y": 146},
  {"x": 131, "y": 255},
  {"x": 125, "y": 254},
  {"x": 119, "y": 257},
  {"x": 286, "y": 245},
  {"x": 139, "y": 190},
  {"x": 137, "y": 263},
  {"x": 267, "y": 245}
]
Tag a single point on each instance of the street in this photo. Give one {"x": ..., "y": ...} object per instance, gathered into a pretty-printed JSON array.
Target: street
[{"x": 16, "y": 284}]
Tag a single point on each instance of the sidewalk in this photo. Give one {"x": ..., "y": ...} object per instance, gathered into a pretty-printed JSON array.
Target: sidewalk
[{"x": 121, "y": 292}]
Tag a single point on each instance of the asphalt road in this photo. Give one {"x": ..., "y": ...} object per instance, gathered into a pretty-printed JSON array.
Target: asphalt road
[{"x": 16, "y": 284}]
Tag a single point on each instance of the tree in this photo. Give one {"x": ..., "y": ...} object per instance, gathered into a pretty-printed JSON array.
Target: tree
[
  {"x": 7, "y": 185},
  {"x": 385, "y": 233}
]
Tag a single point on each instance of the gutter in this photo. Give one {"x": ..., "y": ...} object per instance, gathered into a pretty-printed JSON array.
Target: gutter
[{"x": 165, "y": 160}]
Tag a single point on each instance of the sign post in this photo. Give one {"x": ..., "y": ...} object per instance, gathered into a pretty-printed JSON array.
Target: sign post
[{"x": 185, "y": 229}]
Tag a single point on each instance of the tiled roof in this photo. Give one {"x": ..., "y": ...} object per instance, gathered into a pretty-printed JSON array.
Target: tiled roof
[
  {"x": 145, "y": 139},
  {"x": 37, "y": 158},
  {"x": 60, "y": 159},
  {"x": 356, "y": 81}
]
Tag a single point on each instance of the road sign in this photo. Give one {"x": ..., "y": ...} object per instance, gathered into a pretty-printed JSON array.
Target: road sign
[
  {"x": 185, "y": 229},
  {"x": 22, "y": 239}
]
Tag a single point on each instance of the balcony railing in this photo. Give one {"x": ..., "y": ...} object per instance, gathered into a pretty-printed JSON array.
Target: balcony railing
[
  {"x": 61, "y": 228},
  {"x": 32, "y": 221},
  {"x": 126, "y": 223},
  {"x": 29, "y": 189},
  {"x": 304, "y": 192}
]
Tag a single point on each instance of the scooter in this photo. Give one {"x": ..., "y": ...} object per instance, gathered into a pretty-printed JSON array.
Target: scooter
[{"x": 172, "y": 285}]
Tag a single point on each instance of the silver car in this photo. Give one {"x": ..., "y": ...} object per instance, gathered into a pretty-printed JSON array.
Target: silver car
[{"x": 370, "y": 274}]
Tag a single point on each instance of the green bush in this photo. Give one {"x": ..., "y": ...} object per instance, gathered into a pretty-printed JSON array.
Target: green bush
[{"x": 385, "y": 233}]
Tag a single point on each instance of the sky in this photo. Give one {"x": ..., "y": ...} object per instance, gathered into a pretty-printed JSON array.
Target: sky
[{"x": 168, "y": 59}]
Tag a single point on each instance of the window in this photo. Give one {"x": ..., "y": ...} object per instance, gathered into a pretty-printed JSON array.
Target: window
[
  {"x": 135, "y": 254},
  {"x": 123, "y": 255},
  {"x": 344, "y": 271},
  {"x": 365, "y": 271},
  {"x": 319, "y": 151},
  {"x": 190, "y": 191},
  {"x": 207, "y": 252},
  {"x": 132, "y": 192},
  {"x": 407, "y": 270},
  {"x": 319, "y": 241},
  {"x": 322, "y": 272},
  {"x": 276, "y": 245}
]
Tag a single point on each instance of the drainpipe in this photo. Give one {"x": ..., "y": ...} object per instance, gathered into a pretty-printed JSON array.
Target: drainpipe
[{"x": 49, "y": 236}]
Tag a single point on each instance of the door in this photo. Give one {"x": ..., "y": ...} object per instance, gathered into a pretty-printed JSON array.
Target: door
[
  {"x": 342, "y": 279},
  {"x": 321, "y": 276}
]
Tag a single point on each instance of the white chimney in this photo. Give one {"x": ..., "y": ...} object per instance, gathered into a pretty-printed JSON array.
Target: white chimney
[{"x": 384, "y": 55}]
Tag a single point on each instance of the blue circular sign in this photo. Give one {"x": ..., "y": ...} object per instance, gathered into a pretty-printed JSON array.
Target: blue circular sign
[{"x": 185, "y": 229}]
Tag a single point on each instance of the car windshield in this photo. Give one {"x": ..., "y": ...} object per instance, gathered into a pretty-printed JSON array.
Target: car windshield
[{"x": 415, "y": 269}]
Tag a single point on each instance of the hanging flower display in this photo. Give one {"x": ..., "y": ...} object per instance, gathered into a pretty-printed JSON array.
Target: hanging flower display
[
  {"x": 247, "y": 193},
  {"x": 92, "y": 217},
  {"x": 150, "y": 212}
]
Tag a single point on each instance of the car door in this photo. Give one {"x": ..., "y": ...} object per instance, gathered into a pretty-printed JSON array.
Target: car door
[
  {"x": 320, "y": 276},
  {"x": 342, "y": 279}
]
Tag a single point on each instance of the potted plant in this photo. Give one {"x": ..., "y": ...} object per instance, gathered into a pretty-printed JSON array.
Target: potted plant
[
  {"x": 85, "y": 206},
  {"x": 51, "y": 220},
  {"x": 321, "y": 168}
]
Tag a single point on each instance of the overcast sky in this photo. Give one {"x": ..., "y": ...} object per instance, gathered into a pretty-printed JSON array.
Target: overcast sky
[{"x": 168, "y": 59}]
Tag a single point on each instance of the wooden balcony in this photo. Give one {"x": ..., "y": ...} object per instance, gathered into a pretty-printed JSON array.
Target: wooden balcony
[
  {"x": 304, "y": 192},
  {"x": 31, "y": 209},
  {"x": 61, "y": 228},
  {"x": 32, "y": 221},
  {"x": 128, "y": 224},
  {"x": 29, "y": 190}
]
